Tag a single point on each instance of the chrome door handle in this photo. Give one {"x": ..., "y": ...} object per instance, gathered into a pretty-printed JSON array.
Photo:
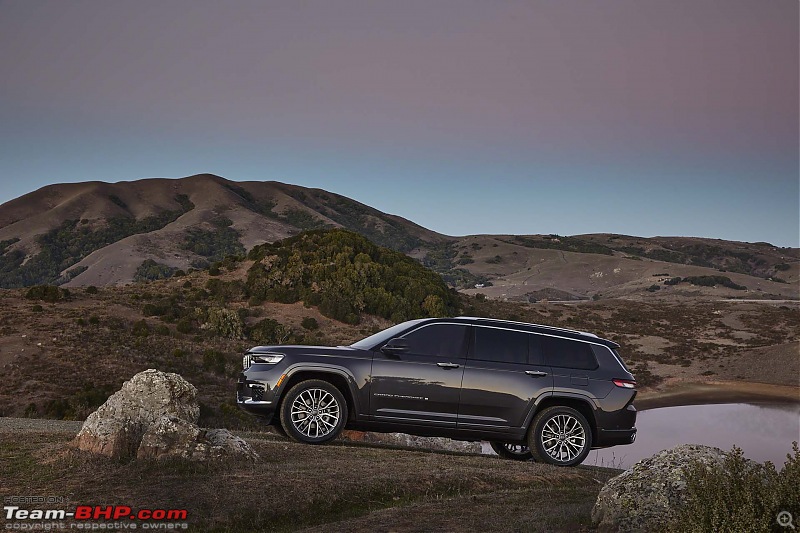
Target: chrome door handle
[
  {"x": 447, "y": 365},
  {"x": 536, "y": 373}
]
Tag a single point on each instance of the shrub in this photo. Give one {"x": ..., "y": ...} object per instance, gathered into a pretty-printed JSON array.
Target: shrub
[
  {"x": 47, "y": 293},
  {"x": 739, "y": 495},
  {"x": 149, "y": 270},
  {"x": 94, "y": 320},
  {"x": 653, "y": 288},
  {"x": 91, "y": 289},
  {"x": 141, "y": 329},
  {"x": 214, "y": 360},
  {"x": 184, "y": 325},
  {"x": 269, "y": 331},
  {"x": 782, "y": 266},
  {"x": 161, "y": 329},
  {"x": 213, "y": 270},
  {"x": 673, "y": 281},
  {"x": 713, "y": 281},
  {"x": 225, "y": 323},
  {"x": 37, "y": 308},
  {"x": 80, "y": 322},
  {"x": 480, "y": 297},
  {"x": 177, "y": 352},
  {"x": 310, "y": 323}
]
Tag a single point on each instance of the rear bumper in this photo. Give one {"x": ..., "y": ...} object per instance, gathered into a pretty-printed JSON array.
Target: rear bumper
[
  {"x": 616, "y": 428},
  {"x": 615, "y": 437}
]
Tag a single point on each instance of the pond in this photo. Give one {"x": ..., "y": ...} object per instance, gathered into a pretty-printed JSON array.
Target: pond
[{"x": 764, "y": 432}]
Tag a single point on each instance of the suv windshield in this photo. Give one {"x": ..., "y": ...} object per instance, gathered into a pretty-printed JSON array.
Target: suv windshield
[{"x": 382, "y": 336}]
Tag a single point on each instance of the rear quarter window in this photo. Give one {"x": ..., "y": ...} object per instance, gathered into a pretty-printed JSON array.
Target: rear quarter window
[
  {"x": 500, "y": 345},
  {"x": 567, "y": 353}
]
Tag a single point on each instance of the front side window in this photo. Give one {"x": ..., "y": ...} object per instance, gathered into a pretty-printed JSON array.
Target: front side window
[
  {"x": 442, "y": 340},
  {"x": 567, "y": 353},
  {"x": 500, "y": 345}
]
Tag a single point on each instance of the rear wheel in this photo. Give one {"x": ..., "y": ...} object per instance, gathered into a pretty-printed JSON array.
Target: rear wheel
[
  {"x": 313, "y": 412},
  {"x": 516, "y": 452},
  {"x": 560, "y": 436}
]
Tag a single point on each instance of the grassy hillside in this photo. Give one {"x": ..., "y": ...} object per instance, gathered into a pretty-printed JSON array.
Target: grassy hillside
[
  {"x": 313, "y": 488},
  {"x": 62, "y": 351}
]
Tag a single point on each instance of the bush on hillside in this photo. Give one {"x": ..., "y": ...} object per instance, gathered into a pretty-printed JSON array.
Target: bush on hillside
[{"x": 346, "y": 275}]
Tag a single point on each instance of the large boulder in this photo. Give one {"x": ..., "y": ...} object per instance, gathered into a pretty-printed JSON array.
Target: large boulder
[
  {"x": 650, "y": 494},
  {"x": 162, "y": 407}
]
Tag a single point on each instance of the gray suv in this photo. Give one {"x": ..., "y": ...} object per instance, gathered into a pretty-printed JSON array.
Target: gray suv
[{"x": 534, "y": 392}]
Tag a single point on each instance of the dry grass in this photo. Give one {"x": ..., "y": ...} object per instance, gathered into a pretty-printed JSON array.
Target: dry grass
[{"x": 326, "y": 488}]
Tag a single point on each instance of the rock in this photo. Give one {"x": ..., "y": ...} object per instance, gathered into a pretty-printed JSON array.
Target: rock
[
  {"x": 648, "y": 496},
  {"x": 155, "y": 415},
  {"x": 117, "y": 427},
  {"x": 172, "y": 437},
  {"x": 412, "y": 441}
]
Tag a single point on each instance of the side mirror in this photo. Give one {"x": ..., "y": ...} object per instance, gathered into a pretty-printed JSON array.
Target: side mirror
[{"x": 395, "y": 346}]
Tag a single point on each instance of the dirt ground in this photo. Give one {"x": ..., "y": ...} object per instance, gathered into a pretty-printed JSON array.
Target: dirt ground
[{"x": 340, "y": 487}]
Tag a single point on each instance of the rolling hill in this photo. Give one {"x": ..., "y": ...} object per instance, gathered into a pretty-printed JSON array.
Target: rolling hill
[{"x": 97, "y": 233}]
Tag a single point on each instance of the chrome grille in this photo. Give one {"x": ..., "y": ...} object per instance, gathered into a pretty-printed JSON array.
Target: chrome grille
[{"x": 247, "y": 360}]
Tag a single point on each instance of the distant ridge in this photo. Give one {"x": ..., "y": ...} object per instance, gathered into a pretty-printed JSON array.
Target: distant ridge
[{"x": 97, "y": 233}]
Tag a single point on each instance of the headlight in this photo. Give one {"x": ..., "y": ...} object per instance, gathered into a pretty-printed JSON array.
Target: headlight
[
  {"x": 268, "y": 358},
  {"x": 262, "y": 358}
]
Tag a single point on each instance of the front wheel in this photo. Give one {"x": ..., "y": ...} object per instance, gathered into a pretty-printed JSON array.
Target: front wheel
[
  {"x": 313, "y": 412},
  {"x": 560, "y": 436},
  {"x": 515, "y": 452}
]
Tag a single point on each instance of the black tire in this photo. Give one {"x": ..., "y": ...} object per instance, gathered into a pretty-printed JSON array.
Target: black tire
[
  {"x": 313, "y": 412},
  {"x": 560, "y": 436},
  {"x": 515, "y": 452}
]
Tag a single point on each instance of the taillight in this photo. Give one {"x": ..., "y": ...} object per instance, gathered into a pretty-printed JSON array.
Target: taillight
[{"x": 624, "y": 383}]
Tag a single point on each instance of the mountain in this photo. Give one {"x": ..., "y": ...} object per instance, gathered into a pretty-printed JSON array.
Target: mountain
[{"x": 97, "y": 233}]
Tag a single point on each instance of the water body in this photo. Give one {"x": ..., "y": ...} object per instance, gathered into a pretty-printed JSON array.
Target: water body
[{"x": 764, "y": 432}]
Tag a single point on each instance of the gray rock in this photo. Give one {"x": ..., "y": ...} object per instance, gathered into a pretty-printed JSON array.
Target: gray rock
[
  {"x": 413, "y": 441},
  {"x": 117, "y": 427},
  {"x": 155, "y": 415},
  {"x": 648, "y": 496},
  {"x": 172, "y": 437}
]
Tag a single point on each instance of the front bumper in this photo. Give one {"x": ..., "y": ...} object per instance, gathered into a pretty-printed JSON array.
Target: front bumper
[{"x": 257, "y": 397}]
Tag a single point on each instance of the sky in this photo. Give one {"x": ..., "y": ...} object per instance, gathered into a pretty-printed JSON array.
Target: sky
[{"x": 640, "y": 117}]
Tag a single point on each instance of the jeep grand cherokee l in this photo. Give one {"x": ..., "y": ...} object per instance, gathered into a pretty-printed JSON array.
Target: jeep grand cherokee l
[{"x": 533, "y": 391}]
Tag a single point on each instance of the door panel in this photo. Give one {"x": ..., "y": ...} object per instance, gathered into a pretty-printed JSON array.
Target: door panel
[
  {"x": 421, "y": 385},
  {"x": 504, "y": 376},
  {"x": 500, "y": 394}
]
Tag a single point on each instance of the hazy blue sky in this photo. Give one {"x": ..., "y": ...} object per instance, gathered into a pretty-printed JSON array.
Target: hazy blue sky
[{"x": 645, "y": 117}]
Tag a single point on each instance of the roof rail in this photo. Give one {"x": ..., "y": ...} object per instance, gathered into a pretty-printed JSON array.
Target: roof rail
[{"x": 586, "y": 333}]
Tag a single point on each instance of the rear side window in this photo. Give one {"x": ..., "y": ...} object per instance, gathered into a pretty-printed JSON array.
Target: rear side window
[
  {"x": 500, "y": 345},
  {"x": 444, "y": 340},
  {"x": 566, "y": 353}
]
